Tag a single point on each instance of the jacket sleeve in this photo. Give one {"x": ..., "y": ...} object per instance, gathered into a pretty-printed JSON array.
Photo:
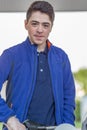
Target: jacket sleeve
[
  {"x": 5, "y": 68},
  {"x": 69, "y": 93}
]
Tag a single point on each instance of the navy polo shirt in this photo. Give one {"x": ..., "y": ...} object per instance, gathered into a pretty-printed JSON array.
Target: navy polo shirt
[{"x": 42, "y": 108}]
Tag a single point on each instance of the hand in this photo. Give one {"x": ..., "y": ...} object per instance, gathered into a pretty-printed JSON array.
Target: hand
[{"x": 14, "y": 124}]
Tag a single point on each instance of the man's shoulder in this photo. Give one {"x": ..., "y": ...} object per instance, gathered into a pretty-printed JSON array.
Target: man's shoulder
[
  {"x": 16, "y": 48},
  {"x": 58, "y": 50},
  {"x": 60, "y": 54},
  {"x": 15, "y": 52}
]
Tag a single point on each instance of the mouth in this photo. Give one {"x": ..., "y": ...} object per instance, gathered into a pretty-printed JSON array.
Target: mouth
[{"x": 38, "y": 37}]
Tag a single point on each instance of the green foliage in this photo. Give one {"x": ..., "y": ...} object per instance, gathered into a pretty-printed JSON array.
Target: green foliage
[
  {"x": 78, "y": 124},
  {"x": 77, "y": 111},
  {"x": 0, "y": 126},
  {"x": 77, "y": 115},
  {"x": 81, "y": 78}
]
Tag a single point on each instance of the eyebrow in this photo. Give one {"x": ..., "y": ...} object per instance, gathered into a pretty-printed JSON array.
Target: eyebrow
[{"x": 39, "y": 22}]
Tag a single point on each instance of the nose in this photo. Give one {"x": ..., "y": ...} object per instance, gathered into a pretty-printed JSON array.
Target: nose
[{"x": 40, "y": 29}]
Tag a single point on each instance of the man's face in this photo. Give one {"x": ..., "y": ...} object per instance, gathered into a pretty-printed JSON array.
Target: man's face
[{"x": 38, "y": 27}]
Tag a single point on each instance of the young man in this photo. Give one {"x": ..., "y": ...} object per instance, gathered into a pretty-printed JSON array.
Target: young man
[{"x": 40, "y": 84}]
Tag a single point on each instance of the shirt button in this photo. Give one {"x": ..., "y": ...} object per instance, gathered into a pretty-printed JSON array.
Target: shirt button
[
  {"x": 37, "y": 54},
  {"x": 41, "y": 70}
]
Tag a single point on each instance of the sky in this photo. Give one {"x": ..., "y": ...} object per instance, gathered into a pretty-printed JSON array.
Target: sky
[{"x": 69, "y": 33}]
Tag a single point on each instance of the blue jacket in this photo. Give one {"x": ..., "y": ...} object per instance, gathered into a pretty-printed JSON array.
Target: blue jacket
[{"x": 18, "y": 65}]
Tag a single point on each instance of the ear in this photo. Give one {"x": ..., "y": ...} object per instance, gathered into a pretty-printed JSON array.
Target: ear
[{"x": 26, "y": 24}]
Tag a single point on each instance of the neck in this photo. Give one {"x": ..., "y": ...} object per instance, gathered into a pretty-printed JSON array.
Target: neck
[{"x": 41, "y": 48}]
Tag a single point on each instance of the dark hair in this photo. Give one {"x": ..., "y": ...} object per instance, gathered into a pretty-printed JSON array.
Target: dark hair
[{"x": 42, "y": 6}]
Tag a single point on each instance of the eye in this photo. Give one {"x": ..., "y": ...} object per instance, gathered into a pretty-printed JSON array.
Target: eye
[
  {"x": 46, "y": 25},
  {"x": 34, "y": 24}
]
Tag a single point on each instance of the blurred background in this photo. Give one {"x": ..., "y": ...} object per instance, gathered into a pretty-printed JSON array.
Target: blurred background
[{"x": 69, "y": 33}]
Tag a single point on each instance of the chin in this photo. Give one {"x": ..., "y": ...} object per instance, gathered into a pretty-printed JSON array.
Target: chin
[{"x": 38, "y": 42}]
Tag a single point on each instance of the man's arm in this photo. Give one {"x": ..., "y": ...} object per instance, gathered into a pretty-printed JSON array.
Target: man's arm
[{"x": 69, "y": 94}]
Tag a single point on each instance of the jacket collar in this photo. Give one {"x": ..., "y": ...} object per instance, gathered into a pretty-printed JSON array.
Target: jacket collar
[{"x": 33, "y": 45}]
